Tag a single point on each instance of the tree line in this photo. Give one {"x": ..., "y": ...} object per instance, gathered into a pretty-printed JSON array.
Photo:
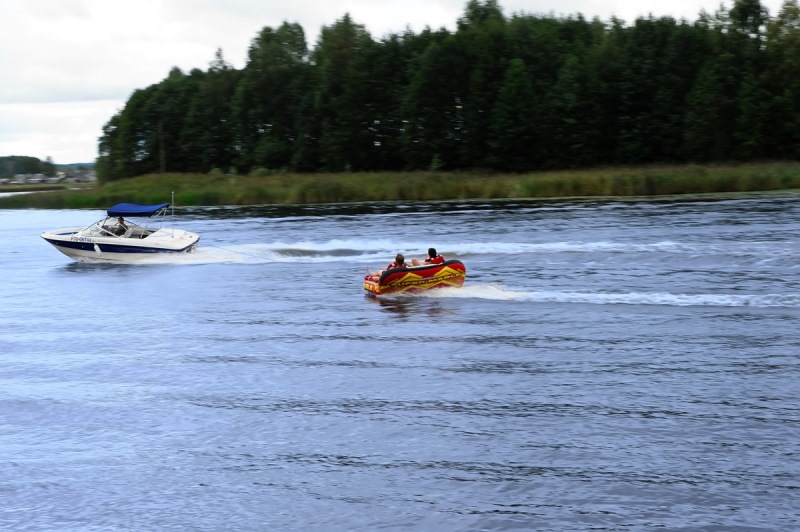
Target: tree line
[
  {"x": 13, "y": 165},
  {"x": 499, "y": 93}
]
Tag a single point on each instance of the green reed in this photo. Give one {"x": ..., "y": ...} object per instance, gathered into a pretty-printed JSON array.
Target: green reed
[{"x": 289, "y": 188}]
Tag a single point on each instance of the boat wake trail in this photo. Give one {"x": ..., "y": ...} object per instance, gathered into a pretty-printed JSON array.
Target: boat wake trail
[
  {"x": 206, "y": 255},
  {"x": 266, "y": 252},
  {"x": 498, "y": 293}
]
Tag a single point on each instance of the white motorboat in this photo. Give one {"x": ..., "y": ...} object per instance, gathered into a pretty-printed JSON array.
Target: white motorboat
[{"x": 116, "y": 238}]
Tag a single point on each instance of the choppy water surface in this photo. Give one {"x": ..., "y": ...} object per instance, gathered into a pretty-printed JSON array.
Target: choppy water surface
[{"x": 606, "y": 366}]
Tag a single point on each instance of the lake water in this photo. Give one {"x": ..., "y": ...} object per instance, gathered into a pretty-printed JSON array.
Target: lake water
[{"x": 607, "y": 365}]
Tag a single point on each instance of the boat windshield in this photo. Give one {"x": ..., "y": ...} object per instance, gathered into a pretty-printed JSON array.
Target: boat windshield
[{"x": 110, "y": 227}]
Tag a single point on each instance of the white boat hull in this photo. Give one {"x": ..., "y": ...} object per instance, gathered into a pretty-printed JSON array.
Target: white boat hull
[{"x": 70, "y": 242}]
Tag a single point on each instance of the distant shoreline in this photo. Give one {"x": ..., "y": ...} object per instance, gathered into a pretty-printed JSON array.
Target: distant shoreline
[{"x": 308, "y": 189}]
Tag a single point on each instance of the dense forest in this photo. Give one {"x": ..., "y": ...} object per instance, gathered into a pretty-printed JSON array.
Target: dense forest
[
  {"x": 18, "y": 164},
  {"x": 504, "y": 93}
]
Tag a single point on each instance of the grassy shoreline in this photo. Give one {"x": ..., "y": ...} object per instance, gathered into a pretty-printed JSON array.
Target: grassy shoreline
[{"x": 208, "y": 190}]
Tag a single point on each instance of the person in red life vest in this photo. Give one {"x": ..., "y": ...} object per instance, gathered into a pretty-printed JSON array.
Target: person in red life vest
[
  {"x": 399, "y": 262},
  {"x": 433, "y": 257}
]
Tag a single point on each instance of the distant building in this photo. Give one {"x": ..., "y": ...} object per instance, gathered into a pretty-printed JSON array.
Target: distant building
[
  {"x": 83, "y": 176},
  {"x": 32, "y": 179},
  {"x": 78, "y": 176},
  {"x": 58, "y": 178}
]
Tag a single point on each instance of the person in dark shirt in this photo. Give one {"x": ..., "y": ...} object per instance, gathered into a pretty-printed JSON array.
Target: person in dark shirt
[{"x": 121, "y": 227}]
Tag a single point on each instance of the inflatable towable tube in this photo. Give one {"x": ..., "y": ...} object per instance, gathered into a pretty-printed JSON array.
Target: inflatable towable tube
[{"x": 417, "y": 279}]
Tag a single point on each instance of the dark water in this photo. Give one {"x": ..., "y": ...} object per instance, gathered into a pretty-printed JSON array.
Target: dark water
[{"x": 606, "y": 366}]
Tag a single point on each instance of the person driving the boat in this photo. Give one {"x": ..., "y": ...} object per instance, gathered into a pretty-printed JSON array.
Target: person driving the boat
[
  {"x": 433, "y": 257},
  {"x": 121, "y": 227}
]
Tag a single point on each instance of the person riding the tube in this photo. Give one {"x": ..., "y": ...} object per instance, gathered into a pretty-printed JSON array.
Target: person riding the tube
[
  {"x": 399, "y": 262},
  {"x": 433, "y": 257}
]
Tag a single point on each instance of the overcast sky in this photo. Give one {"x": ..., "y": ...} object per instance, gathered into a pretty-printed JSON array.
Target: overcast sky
[{"x": 67, "y": 66}]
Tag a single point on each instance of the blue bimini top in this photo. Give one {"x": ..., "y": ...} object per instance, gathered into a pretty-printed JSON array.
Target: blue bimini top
[{"x": 131, "y": 209}]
